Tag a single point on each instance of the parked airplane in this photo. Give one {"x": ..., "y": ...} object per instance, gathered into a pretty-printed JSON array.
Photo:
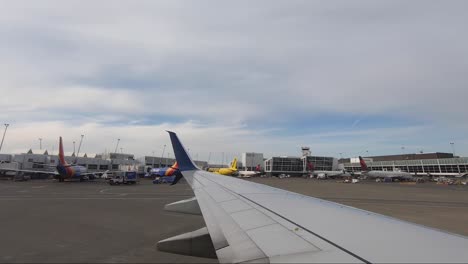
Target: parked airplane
[
  {"x": 167, "y": 171},
  {"x": 226, "y": 171},
  {"x": 401, "y": 175},
  {"x": 63, "y": 169},
  {"x": 248, "y": 174},
  {"x": 323, "y": 174},
  {"x": 251, "y": 222}
]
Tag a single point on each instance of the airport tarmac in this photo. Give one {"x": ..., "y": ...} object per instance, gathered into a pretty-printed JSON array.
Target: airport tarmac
[{"x": 46, "y": 221}]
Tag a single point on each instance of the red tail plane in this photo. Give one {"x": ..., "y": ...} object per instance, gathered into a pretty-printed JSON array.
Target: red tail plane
[{"x": 363, "y": 164}]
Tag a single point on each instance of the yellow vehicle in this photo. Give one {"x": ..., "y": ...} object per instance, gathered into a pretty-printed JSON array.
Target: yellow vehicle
[{"x": 226, "y": 171}]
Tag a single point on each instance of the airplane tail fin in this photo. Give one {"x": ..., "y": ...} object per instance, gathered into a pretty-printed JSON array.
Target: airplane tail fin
[
  {"x": 184, "y": 161},
  {"x": 258, "y": 168},
  {"x": 175, "y": 166},
  {"x": 234, "y": 164},
  {"x": 363, "y": 164},
  {"x": 61, "y": 154}
]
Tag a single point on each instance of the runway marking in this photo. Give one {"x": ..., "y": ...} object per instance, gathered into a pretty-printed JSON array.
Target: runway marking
[
  {"x": 84, "y": 198},
  {"x": 2, "y": 197},
  {"x": 38, "y": 187},
  {"x": 105, "y": 191},
  {"x": 102, "y": 191}
]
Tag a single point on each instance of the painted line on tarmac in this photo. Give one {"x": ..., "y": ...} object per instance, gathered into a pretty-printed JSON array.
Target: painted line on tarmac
[
  {"x": 103, "y": 190},
  {"x": 16, "y": 196},
  {"x": 84, "y": 198}
]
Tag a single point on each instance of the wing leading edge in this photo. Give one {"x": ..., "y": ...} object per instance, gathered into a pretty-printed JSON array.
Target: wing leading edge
[{"x": 253, "y": 222}]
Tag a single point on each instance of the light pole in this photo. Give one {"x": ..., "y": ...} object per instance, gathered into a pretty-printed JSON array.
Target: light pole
[
  {"x": 3, "y": 138},
  {"x": 453, "y": 148},
  {"x": 162, "y": 155},
  {"x": 121, "y": 150},
  {"x": 74, "y": 153},
  {"x": 40, "y": 143},
  {"x": 168, "y": 154},
  {"x": 117, "y": 145},
  {"x": 79, "y": 146}
]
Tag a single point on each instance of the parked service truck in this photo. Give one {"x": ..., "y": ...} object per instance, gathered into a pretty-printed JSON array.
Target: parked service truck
[{"x": 124, "y": 177}]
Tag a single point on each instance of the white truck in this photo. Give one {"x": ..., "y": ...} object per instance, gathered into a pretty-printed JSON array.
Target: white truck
[{"x": 124, "y": 177}]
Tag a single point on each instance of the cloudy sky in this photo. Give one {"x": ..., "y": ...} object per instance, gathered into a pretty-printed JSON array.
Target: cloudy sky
[{"x": 350, "y": 77}]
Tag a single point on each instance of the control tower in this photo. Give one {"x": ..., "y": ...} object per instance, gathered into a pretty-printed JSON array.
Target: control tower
[{"x": 306, "y": 151}]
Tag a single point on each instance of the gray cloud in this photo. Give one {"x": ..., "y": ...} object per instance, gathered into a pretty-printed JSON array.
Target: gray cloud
[{"x": 240, "y": 61}]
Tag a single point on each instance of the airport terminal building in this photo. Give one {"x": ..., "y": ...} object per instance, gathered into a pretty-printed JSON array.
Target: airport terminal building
[
  {"x": 440, "y": 164},
  {"x": 250, "y": 160},
  {"x": 297, "y": 166}
]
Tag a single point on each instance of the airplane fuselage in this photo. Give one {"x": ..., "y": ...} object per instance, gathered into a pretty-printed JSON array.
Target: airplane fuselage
[
  {"x": 226, "y": 171},
  {"x": 248, "y": 173},
  {"x": 71, "y": 171},
  {"x": 388, "y": 174},
  {"x": 168, "y": 171},
  {"x": 329, "y": 173}
]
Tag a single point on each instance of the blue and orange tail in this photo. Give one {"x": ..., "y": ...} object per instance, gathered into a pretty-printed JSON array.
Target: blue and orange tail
[
  {"x": 183, "y": 159},
  {"x": 184, "y": 162}
]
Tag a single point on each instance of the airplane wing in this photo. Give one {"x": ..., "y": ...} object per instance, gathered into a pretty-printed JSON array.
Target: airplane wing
[
  {"x": 30, "y": 171},
  {"x": 251, "y": 222}
]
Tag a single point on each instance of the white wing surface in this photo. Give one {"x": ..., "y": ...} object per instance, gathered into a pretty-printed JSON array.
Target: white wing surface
[
  {"x": 30, "y": 171},
  {"x": 250, "y": 222}
]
